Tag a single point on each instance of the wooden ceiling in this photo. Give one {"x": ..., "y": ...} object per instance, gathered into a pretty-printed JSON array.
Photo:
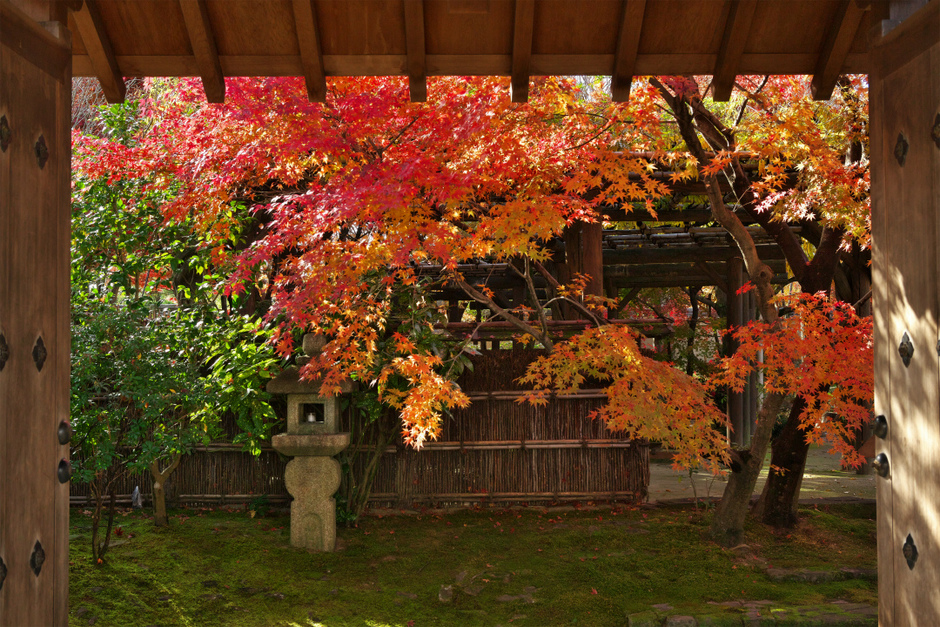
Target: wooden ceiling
[{"x": 317, "y": 39}]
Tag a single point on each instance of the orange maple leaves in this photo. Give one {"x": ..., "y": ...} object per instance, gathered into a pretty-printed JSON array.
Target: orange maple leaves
[
  {"x": 647, "y": 399},
  {"x": 822, "y": 351}
]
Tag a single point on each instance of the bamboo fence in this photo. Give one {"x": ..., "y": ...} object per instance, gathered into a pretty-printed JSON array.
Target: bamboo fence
[{"x": 496, "y": 451}]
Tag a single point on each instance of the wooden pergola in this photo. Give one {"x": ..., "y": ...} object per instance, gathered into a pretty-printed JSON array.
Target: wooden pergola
[{"x": 44, "y": 43}]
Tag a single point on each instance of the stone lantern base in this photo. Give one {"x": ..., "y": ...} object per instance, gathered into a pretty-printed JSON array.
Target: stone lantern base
[
  {"x": 312, "y": 481},
  {"x": 312, "y": 477}
]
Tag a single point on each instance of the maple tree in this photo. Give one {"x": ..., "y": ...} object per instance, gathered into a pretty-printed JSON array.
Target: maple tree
[
  {"x": 331, "y": 212},
  {"x": 829, "y": 195}
]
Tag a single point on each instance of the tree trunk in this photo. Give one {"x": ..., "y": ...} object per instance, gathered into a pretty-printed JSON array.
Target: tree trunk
[
  {"x": 100, "y": 549},
  {"x": 727, "y": 526},
  {"x": 777, "y": 505},
  {"x": 160, "y": 477},
  {"x": 728, "y": 523}
]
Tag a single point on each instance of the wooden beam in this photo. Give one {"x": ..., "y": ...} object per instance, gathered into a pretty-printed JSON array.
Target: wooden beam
[
  {"x": 417, "y": 63},
  {"x": 196, "y": 16},
  {"x": 684, "y": 254},
  {"x": 628, "y": 44},
  {"x": 737, "y": 29},
  {"x": 836, "y": 48},
  {"x": 717, "y": 279},
  {"x": 311, "y": 55},
  {"x": 98, "y": 45},
  {"x": 630, "y": 295},
  {"x": 522, "y": 49}
]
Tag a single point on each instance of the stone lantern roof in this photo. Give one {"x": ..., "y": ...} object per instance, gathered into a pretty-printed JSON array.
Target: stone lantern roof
[{"x": 289, "y": 381}]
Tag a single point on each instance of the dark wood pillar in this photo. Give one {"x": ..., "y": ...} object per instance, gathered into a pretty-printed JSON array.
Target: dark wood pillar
[
  {"x": 905, "y": 175},
  {"x": 35, "y": 85},
  {"x": 584, "y": 255}
]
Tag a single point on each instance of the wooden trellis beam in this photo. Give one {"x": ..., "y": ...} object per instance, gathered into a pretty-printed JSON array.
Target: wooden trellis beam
[
  {"x": 202, "y": 40},
  {"x": 311, "y": 55},
  {"x": 98, "y": 45},
  {"x": 628, "y": 43},
  {"x": 687, "y": 254},
  {"x": 522, "y": 28},
  {"x": 737, "y": 29},
  {"x": 415, "y": 40},
  {"x": 836, "y": 48}
]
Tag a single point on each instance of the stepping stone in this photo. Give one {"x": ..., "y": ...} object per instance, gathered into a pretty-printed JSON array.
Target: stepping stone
[
  {"x": 507, "y": 598},
  {"x": 681, "y": 621},
  {"x": 662, "y": 607},
  {"x": 446, "y": 594},
  {"x": 410, "y": 595}
]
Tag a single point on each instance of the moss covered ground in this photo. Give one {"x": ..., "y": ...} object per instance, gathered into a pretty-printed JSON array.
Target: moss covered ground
[{"x": 589, "y": 566}]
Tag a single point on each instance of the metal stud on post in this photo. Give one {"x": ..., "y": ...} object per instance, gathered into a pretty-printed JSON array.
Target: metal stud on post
[
  {"x": 64, "y": 432},
  {"x": 42, "y": 152},
  {"x": 39, "y": 354},
  {"x": 909, "y": 550},
  {"x": 6, "y": 134},
  {"x": 881, "y": 426},
  {"x": 4, "y": 351},
  {"x": 37, "y": 558},
  {"x": 900, "y": 149},
  {"x": 881, "y": 466},
  {"x": 64, "y": 472},
  {"x": 935, "y": 131},
  {"x": 906, "y": 349}
]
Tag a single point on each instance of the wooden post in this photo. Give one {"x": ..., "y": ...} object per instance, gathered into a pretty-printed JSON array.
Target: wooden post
[
  {"x": 736, "y": 400},
  {"x": 35, "y": 88},
  {"x": 905, "y": 175},
  {"x": 592, "y": 262},
  {"x": 583, "y": 255}
]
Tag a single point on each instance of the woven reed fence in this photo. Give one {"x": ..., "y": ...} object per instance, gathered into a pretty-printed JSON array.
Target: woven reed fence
[{"x": 497, "y": 450}]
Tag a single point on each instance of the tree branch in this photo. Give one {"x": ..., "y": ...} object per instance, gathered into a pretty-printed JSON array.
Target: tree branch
[
  {"x": 760, "y": 273},
  {"x": 527, "y": 276},
  {"x": 515, "y": 321},
  {"x": 556, "y": 285}
]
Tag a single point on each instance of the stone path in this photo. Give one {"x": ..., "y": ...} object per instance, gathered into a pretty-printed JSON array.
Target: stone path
[
  {"x": 747, "y": 613},
  {"x": 823, "y": 480}
]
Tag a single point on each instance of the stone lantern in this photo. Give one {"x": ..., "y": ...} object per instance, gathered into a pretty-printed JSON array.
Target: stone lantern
[{"x": 312, "y": 439}]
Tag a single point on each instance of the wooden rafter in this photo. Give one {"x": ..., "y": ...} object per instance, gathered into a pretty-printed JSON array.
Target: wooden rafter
[
  {"x": 628, "y": 43},
  {"x": 737, "y": 29},
  {"x": 311, "y": 55},
  {"x": 523, "y": 24},
  {"x": 836, "y": 48},
  {"x": 414, "y": 37},
  {"x": 98, "y": 45},
  {"x": 202, "y": 40}
]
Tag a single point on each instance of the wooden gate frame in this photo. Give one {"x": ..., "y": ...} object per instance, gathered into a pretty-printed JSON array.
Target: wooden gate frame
[
  {"x": 35, "y": 164},
  {"x": 35, "y": 72},
  {"x": 905, "y": 174}
]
